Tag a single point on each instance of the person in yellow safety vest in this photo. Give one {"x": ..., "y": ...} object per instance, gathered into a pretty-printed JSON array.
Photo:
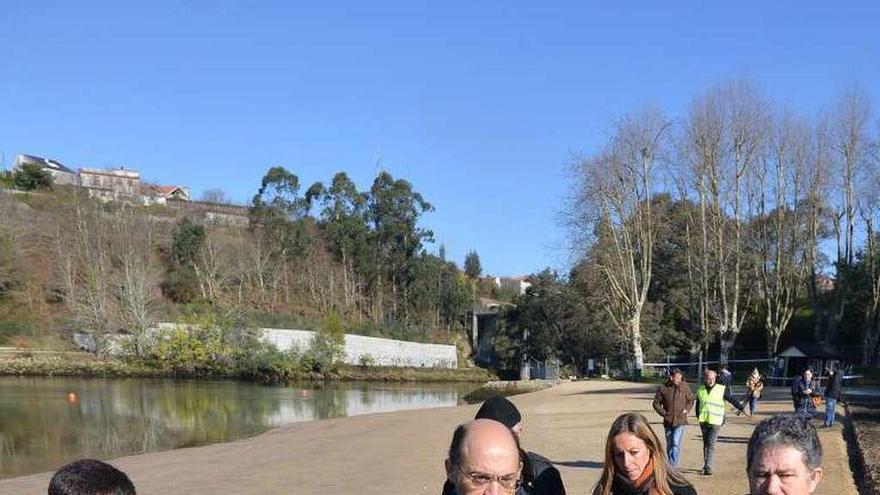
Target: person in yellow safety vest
[{"x": 710, "y": 414}]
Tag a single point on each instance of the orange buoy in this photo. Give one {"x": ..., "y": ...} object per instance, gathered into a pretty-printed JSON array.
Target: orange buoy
[{"x": 72, "y": 398}]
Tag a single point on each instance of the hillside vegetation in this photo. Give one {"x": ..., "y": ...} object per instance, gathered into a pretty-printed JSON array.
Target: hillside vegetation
[{"x": 70, "y": 263}]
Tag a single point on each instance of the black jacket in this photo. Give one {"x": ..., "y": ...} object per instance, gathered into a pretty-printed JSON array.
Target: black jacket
[
  {"x": 622, "y": 486},
  {"x": 545, "y": 478},
  {"x": 540, "y": 477},
  {"x": 835, "y": 386}
]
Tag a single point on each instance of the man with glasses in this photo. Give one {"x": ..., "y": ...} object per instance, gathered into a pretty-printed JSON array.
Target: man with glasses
[
  {"x": 539, "y": 476},
  {"x": 484, "y": 459}
]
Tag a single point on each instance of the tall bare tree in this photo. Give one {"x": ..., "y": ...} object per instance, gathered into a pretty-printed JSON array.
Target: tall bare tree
[
  {"x": 133, "y": 249},
  {"x": 781, "y": 223},
  {"x": 723, "y": 138},
  {"x": 88, "y": 252},
  {"x": 850, "y": 142},
  {"x": 613, "y": 208},
  {"x": 817, "y": 214}
]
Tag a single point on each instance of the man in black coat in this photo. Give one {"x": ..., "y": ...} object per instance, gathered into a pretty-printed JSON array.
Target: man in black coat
[
  {"x": 832, "y": 393},
  {"x": 539, "y": 475}
]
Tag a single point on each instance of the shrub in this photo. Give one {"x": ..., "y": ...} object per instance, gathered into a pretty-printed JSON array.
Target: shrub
[
  {"x": 328, "y": 344},
  {"x": 6, "y": 181},
  {"x": 31, "y": 176},
  {"x": 10, "y": 329},
  {"x": 366, "y": 360}
]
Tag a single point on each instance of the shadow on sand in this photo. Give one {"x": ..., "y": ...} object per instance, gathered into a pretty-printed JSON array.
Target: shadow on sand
[{"x": 644, "y": 389}]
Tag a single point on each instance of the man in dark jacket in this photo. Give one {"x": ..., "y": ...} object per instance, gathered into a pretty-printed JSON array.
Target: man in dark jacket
[
  {"x": 832, "y": 393},
  {"x": 802, "y": 390},
  {"x": 673, "y": 401},
  {"x": 725, "y": 377},
  {"x": 539, "y": 476}
]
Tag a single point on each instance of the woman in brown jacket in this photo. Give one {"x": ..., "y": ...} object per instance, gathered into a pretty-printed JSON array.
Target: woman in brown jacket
[{"x": 754, "y": 385}]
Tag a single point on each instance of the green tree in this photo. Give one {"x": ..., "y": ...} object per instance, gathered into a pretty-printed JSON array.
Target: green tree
[
  {"x": 394, "y": 211},
  {"x": 472, "y": 266},
  {"x": 557, "y": 317},
  {"x": 31, "y": 176},
  {"x": 280, "y": 229},
  {"x": 279, "y": 212},
  {"x": 344, "y": 228},
  {"x": 328, "y": 344},
  {"x": 180, "y": 283}
]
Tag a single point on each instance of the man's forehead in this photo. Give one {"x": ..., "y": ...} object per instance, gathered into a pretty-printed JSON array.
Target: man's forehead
[
  {"x": 494, "y": 455},
  {"x": 494, "y": 450},
  {"x": 779, "y": 458}
]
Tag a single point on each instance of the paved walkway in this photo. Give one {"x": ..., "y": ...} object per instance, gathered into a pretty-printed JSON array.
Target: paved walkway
[{"x": 402, "y": 453}]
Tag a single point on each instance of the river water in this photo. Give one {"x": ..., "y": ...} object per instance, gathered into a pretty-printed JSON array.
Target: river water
[{"x": 47, "y": 422}]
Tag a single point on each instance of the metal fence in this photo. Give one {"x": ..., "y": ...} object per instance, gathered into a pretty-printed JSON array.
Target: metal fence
[{"x": 693, "y": 370}]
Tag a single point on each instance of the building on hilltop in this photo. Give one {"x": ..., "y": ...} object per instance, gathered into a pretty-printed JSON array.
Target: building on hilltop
[
  {"x": 125, "y": 185},
  {"x": 60, "y": 174},
  {"x": 110, "y": 185},
  {"x": 208, "y": 213},
  {"x": 156, "y": 194},
  {"x": 517, "y": 285}
]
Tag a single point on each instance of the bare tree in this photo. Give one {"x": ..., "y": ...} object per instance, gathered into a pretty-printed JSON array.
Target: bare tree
[
  {"x": 723, "y": 138},
  {"x": 816, "y": 209},
  {"x": 781, "y": 223},
  {"x": 613, "y": 207},
  {"x": 89, "y": 268},
  {"x": 850, "y": 142},
  {"x": 216, "y": 195},
  {"x": 869, "y": 211},
  {"x": 133, "y": 249}
]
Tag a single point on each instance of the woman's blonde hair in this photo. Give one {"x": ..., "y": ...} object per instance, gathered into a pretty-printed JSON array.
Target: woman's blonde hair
[{"x": 637, "y": 424}]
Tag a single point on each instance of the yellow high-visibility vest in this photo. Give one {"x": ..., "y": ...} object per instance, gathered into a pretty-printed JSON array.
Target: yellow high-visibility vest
[{"x": 711, "y": 404}]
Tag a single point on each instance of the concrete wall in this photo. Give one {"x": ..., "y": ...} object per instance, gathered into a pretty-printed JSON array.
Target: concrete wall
[
  {"x": 379, "y": 352},
  {"x": 382, "y": 352}
]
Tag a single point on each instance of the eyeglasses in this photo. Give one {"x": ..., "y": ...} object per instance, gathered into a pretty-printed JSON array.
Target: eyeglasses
[{"x": 508, "y": 481}]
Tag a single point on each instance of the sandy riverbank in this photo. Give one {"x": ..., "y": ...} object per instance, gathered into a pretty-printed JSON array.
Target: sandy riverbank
[{"x": 402, "y": 453}]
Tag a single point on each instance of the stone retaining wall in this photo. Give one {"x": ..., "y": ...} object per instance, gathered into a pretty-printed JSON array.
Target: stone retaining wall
[
  {"x": 376, "y": 351},
  {"x": 358, "y": 348}
]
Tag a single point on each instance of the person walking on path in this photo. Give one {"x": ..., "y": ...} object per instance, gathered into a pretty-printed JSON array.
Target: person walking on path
[
  {"x": 726, "y": 377},
  {"x": 754, "y": 386},
  {"x": 710, "y": 413},
  {"x": 832, "y": 393},
  {"x": 803, "y": 390},
  {"x": 634, "y": 463},
  {"x": 673, "y": 402}
]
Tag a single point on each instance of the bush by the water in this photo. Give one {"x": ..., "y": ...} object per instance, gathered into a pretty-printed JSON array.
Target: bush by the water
[{"x": 210, "y": 345}]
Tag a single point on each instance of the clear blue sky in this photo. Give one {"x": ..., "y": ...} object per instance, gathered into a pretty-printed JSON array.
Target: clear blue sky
[{"x": 479, "y": 106}]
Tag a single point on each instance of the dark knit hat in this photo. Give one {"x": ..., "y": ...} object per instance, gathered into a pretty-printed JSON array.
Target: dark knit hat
[{"x": 500, "y": 409}]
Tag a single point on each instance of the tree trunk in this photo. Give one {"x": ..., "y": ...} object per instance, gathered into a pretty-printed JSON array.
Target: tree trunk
[{"x": 636, "y": 334}]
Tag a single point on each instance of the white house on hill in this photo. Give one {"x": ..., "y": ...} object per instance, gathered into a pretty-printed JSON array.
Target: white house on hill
[{"x": 60, "y": 174}]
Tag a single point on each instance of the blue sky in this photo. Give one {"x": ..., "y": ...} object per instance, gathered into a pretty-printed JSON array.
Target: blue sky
[{"x": 479, "y": 106}]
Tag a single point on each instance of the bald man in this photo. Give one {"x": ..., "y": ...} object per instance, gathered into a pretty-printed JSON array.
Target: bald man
[
  {"x": 710, "y": 413},
  {"x": 484, "y": 459}
]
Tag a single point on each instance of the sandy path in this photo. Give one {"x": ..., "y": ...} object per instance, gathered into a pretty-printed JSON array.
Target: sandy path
[{"x": 402, "y": 453}]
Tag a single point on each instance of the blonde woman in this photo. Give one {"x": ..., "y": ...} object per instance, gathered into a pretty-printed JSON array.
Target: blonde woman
[
  {"x": 635, "y": 463},
  {"x": 754, "y": 386}
]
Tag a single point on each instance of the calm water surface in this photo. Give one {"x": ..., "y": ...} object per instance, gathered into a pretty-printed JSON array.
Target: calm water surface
[{"x": 47, "y": 422}]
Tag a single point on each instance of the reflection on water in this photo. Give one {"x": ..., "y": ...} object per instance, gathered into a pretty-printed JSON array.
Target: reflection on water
[{"x": 47, "y": 422}]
